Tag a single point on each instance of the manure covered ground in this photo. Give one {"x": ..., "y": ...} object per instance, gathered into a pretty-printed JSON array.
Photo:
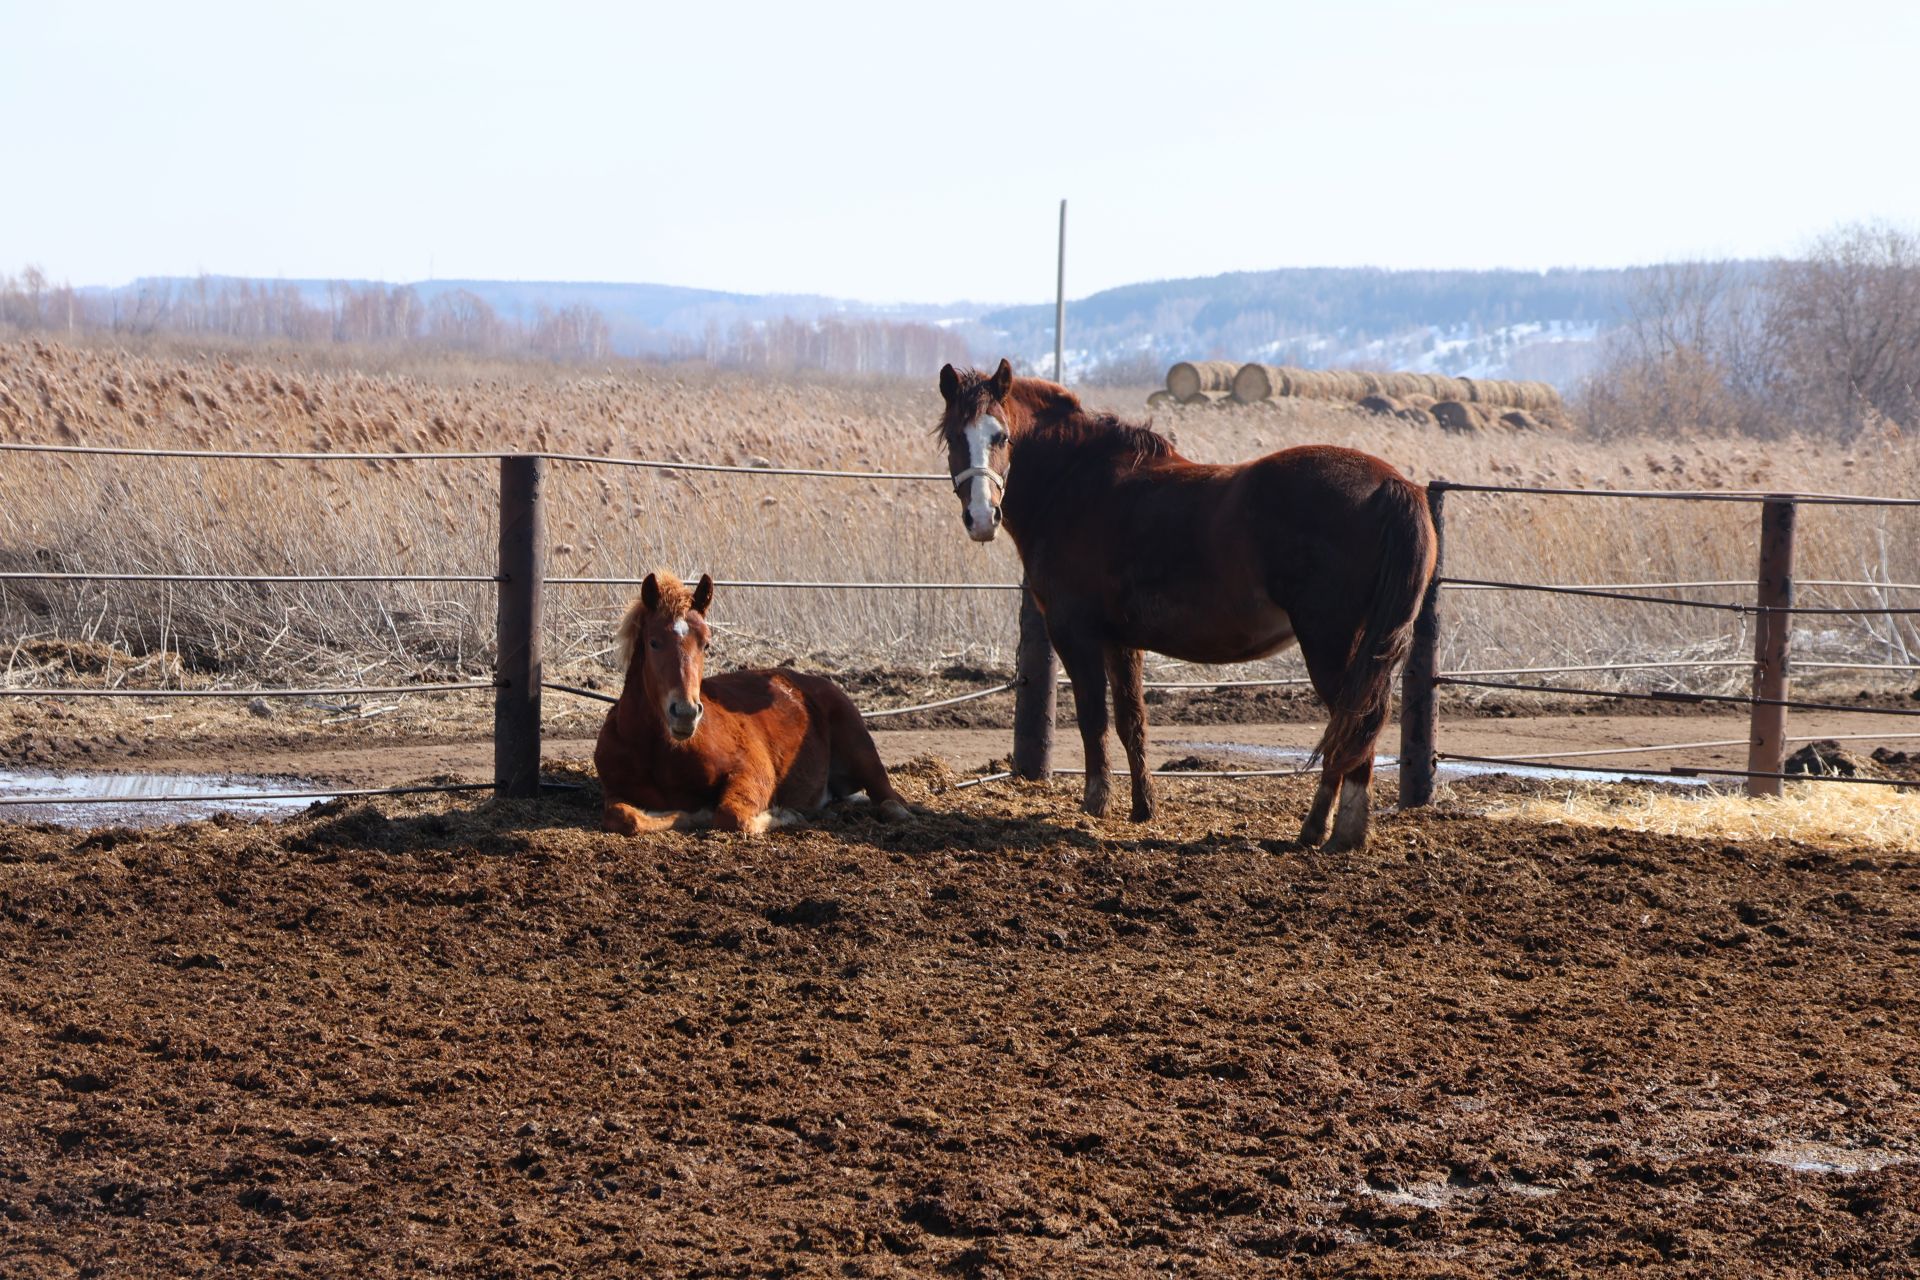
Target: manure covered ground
[{"x": 483, "y": 1039}]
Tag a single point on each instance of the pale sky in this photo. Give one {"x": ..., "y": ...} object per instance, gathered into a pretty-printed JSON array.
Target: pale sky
[{"x": 902, "y": 151}]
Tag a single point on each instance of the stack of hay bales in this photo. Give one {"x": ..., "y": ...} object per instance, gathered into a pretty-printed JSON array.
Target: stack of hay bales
[{"x": 1475, "y": 403}]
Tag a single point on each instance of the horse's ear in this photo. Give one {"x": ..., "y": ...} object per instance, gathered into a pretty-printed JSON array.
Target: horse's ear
[
  {"x": 949, "y": 383},
  {"x": 1002, "y": 380},
  {"x": 650, "y": 592},
  {"x": 703, "y": 594}
]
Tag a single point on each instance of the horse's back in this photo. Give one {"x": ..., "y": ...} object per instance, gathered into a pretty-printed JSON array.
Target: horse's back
[{"x": 806, "y": 721}]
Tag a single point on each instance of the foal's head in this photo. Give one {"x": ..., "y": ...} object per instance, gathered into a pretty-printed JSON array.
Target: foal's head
[
  {"x": 665, "y": 637},
  {"x": 976, "y": 427}
]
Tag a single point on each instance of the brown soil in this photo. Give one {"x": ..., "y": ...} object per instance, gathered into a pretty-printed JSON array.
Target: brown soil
[{"x": 1002, "y": 1040}]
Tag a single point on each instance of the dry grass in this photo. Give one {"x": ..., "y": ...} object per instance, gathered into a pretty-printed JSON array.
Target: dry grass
[
  {"x": 1822, "y": 814},
  {"x": 179, "y": 515}
]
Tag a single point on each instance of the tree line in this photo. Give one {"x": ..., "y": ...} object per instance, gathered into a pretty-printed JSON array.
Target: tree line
[
  {"x": 344, "y": 312},
  {"x": 832, "y": 344},
  {"x": 373, "y": 314},
  {"x": 1825, "y": 344}
]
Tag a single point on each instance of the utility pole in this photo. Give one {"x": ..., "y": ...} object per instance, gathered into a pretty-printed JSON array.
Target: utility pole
[{"x": 1060, "y": 303}]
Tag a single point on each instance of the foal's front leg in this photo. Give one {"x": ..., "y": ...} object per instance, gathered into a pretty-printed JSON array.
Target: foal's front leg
[
  {"x": 624, "y": 819},
  {"x": 744, "y": 802},
  {"x": 1083, "y": 663},
  {"x": 1130, "y": 717}
]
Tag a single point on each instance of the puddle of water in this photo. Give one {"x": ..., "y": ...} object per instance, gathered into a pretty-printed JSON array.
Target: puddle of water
[
  {"x": 1821, "y": 1157},
  {"x": 1276, "y": 757},
  {"x": 176, "y": 798}
]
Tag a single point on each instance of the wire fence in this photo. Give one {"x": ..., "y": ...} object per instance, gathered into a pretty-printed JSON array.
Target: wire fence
[
  {"x": 1773, "y": 606},
  {"x": 510, "y": 584}
]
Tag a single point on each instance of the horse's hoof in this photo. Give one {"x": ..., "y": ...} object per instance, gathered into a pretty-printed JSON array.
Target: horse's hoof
[
  {"x": 1142, "y": 812},
  {"x": 893, "y": 811},
  {"x": 1344, "y": 844}
]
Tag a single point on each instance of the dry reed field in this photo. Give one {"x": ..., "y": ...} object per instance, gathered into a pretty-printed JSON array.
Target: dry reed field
[{"x": 195, "y": 516}]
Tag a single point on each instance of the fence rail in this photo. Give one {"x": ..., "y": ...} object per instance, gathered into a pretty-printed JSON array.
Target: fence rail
[
  {"x": 521, "y": 578},
  {"x": 1773, "y": 607}
]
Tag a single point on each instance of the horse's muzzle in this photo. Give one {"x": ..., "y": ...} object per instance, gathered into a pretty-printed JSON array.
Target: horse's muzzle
[
  {"x": 981, "y": 528},
  {"x": 683, "y": 719}
]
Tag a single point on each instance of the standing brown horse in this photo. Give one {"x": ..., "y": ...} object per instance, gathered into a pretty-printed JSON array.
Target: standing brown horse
[
  {"x": 1129, "y": 546},
  {"x": 679, "y": 752}
]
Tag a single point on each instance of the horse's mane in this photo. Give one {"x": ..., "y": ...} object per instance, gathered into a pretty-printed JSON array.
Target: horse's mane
[
  {"x": 675, "y": 598},
  {"x": 1058, "y": 419}
]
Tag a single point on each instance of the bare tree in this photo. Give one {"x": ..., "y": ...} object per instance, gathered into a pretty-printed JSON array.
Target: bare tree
[{"x": 1845, "y": 325}]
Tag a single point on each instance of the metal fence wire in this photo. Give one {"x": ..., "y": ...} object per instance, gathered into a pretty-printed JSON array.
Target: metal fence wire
[
  {"x": 1773, "y": 606},
  {"x": 520, "y": 579}
]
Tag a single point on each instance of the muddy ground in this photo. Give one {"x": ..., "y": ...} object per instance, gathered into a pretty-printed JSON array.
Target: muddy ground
[{"x": 482, "y": 1039}]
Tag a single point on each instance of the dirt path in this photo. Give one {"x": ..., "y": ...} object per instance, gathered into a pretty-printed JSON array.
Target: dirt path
[{"x": 1241, "y": 745}]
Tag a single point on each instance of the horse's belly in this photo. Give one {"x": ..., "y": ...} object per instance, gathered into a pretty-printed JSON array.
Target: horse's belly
[{"x": 1211, "y": 636}]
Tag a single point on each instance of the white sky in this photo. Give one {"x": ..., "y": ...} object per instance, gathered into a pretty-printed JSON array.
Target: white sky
[{"x": 903, "y": 151}]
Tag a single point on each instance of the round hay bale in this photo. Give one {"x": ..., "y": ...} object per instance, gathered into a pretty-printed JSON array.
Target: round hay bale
[
  {"x": 1161, "y": 399},
  {"x": 1204, "y": 399},
  {"x": 1381, "y": 404},
  {"x": 1370, "y": 383},
  {"x": 1418, "y": 417},
  {"x": 1417, "y": 400},
  {"x": 1519, "y": 420},
  {"x": 1401, "y": 385},
  {"x": 1188, "y": 378},
  {"x": 1253, "y": 383},
  {"x": 1455, "y": 415}
]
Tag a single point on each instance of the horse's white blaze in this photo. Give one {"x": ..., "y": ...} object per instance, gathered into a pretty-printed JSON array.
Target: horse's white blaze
[
  {"x": 980, "y": 494},
  {"x": 680, "y": 626}
]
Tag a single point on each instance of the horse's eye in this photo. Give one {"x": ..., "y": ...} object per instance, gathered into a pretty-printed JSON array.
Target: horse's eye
[
  {"x": 999, "y": 438},
  {"x": 653, "y": 644}
]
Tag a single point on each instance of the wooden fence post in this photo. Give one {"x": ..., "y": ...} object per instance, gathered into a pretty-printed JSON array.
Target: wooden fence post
[
  {"x": 1034, "y": 694},
  {"x": 1417, "y": 713},
  {"x": 1767, "y": 740},
  {"x": 516, "y": 703}
]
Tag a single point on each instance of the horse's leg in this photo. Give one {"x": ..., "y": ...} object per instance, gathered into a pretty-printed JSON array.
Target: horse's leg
[
  {"x": 1130, "y": 718},
  {"x": 1350, "y": 825},
  {"x": 744, "y": 800},
  {"x": 859, "y": 761},
  {"x": 1084, "y": 665},
  {"x": 1314, "y": 829},
  {"x": 623, "y": 819},
  {"x": 1326, "y": 683}
]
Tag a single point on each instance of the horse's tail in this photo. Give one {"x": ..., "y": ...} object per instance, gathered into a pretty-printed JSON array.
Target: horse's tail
[{"x": 1407, "y": 547}]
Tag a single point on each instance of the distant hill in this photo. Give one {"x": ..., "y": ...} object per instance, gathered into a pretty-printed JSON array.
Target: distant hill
[{"x": 1547, "y": 324}]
